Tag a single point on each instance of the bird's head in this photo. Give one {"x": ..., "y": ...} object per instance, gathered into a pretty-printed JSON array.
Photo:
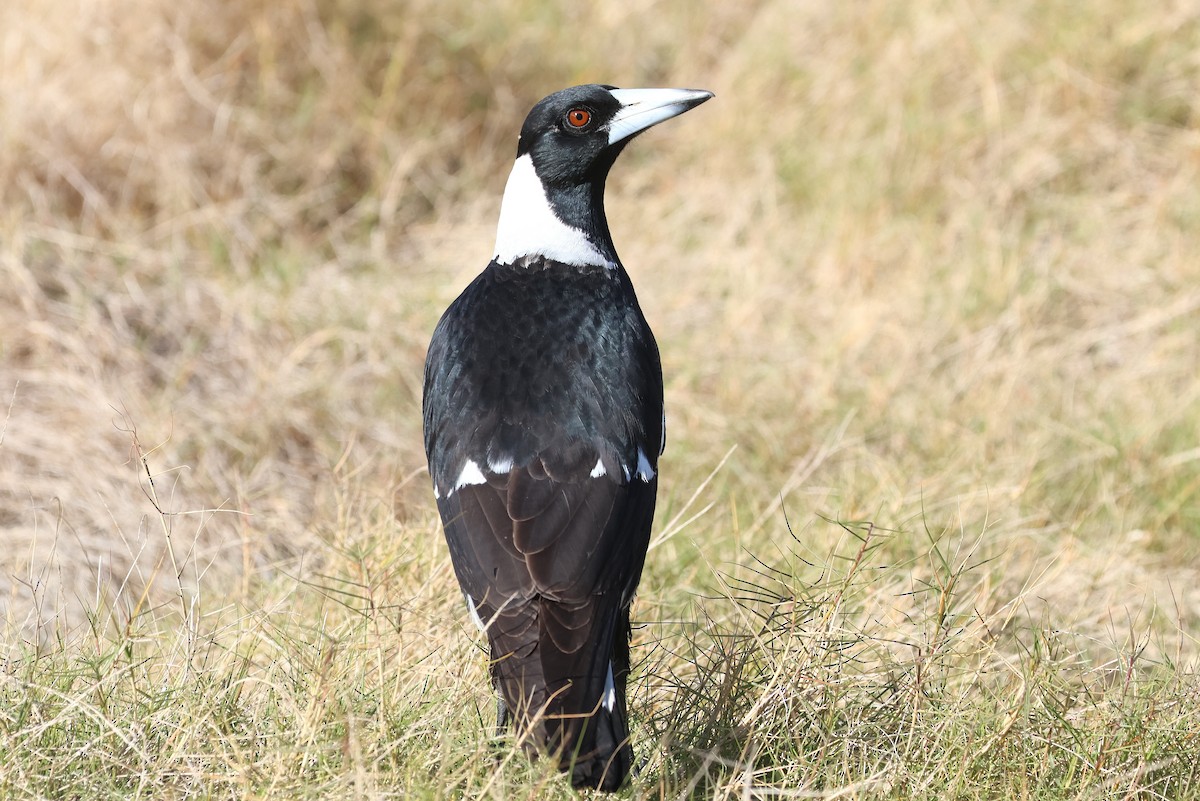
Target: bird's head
[{"x": 554, "y": 201}]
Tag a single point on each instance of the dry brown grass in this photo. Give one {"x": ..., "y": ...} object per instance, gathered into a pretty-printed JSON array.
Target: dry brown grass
[{"x": 929, "y": 266}]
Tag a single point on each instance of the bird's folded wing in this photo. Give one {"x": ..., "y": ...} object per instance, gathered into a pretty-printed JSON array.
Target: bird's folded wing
[{"x": 518, "y": 535}]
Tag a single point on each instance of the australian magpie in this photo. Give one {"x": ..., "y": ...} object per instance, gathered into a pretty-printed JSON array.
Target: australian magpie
[{"x": 543, "y": 413}]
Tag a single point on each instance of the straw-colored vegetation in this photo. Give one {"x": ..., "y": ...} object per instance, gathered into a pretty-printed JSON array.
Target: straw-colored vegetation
[{"x": 926, "y": 279}]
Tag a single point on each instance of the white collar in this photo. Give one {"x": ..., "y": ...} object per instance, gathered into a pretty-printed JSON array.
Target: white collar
[{"x": 529, "y": 227}]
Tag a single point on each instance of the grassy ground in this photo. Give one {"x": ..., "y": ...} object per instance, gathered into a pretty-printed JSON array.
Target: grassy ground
[{"x": 925, "y": 281}]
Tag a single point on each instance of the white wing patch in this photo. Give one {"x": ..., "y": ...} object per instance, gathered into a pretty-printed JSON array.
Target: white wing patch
[
  {"x": 610, "y": 690},
  {"x": 475, "y": 618},
  {"x": 529, "y": 227},
  {"x": 644, "y": 471},
  {"x": 471, "y": 474}
]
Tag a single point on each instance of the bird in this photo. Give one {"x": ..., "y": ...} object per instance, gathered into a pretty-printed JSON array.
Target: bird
[{"x": 543, "y": 425}]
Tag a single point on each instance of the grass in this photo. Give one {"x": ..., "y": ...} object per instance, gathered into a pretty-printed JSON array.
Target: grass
[{"x": 925, "y": 285}]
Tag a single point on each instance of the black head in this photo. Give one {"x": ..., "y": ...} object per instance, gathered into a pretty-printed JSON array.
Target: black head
[
  {"x": 576, "y": 134},
  {"x": 570, "y": 140}
]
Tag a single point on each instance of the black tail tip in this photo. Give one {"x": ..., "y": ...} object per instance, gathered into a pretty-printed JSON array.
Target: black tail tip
[
  {"x": 607, "y": 775},
  {"x": 606, "y": 770}
]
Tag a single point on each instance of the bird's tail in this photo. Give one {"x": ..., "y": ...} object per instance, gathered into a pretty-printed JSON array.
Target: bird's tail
[{"x": 561, "y": 671}]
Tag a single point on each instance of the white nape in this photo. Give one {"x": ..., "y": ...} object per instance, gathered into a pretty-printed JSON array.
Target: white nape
[
  {"x": 474, "y": 613},
  {"x": 471, "y": 474},
  {"x": 644, "y": 471},
  {"x": 529, "y": 227},
  {"x": 610, "y": 690},
  {"x": 598, "y": 470}
]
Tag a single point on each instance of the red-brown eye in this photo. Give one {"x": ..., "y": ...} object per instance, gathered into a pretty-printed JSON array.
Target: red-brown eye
[{"x": 578, "y": 117}]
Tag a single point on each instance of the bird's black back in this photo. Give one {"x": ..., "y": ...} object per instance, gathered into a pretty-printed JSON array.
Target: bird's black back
[
  {"x": 547, "y": 378},
  {"x": 540, "y": 358}
]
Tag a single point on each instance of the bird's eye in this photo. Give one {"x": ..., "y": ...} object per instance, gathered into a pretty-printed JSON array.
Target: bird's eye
[{"x": 578, "y": 117}]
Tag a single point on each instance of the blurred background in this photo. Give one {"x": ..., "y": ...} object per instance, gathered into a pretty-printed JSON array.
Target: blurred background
[{"x": 928, "y": 266}]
